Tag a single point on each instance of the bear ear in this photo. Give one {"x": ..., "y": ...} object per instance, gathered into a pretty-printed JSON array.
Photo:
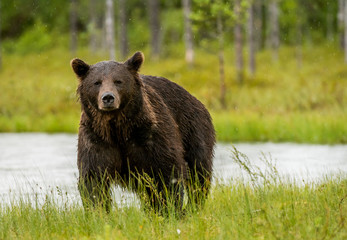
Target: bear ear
[
  {"x": 134, "y": 63},
  {"x": 80, "y": 68}
]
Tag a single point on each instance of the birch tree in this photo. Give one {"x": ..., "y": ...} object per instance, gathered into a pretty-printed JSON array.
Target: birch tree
[
  {"x": 300, "y": 19},
  {"x": 238, "y": 42},
  {"x": 92, "y": 26},
  {"x": 274, "y": 28},
  {"x": 330, "y": 22},
  {"x": 340, "y": 22},
  {"x": 154, "y": 13},
  {"x": 220, "y": 34},
  {"x": 211, "y": 20},
  {"x": 258, "y": 24},
  {"x": 123, "y": 32},
  {"x": 73, "y": 26},
  {"x": 109, "y": 24},
  {"x": 188, "y": 34},
  {"x": 0, "y": 38},
  {"x": 251, "y": 38},
  {"x": 345, "y": 29}
]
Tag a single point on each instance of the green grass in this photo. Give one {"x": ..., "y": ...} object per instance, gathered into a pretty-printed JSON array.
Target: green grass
[
  {"x": 265, "y": 206},
  {"x": 282, "y": 102},
  {"x": 309, "y": 127}
]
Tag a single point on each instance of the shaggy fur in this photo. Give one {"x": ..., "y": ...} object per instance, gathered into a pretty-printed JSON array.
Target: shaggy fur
[{"x": 151, "y": 127}]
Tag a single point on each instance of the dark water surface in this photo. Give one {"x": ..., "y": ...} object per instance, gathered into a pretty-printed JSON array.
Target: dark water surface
[{"x": 35, "y": 164}]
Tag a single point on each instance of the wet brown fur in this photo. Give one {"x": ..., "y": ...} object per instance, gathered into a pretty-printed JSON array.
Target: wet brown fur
[{"x": 159, "y": 129}]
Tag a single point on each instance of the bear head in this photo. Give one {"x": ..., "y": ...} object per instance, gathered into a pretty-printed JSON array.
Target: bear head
[{"x": 108, "y": 86}]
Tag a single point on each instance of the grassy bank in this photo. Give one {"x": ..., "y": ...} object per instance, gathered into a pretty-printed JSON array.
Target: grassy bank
[
  {"x": 261, "y": 205},
  {"x": 299, "y": 127},
  {"x": 236, "y": 210},
  {"x": 282, "y": 102}
]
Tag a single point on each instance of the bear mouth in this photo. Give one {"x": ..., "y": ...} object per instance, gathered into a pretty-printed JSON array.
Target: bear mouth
[{"x": 108, "y": 108}]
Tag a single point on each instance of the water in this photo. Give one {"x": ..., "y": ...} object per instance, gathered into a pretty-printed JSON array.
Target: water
[{"x": 37, "y": 164}]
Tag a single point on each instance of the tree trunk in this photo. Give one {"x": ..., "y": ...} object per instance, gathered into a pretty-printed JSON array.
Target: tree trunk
[
  {"x": 330, "y": 22},
  {"x": 188, "y": 35},
  {"x": 154, "y": 23},
  {"x": 92, "y": 26},
  {"x": 299, "y": 34},
  {"x": 101, "y": 32},
  {"x": 251, "y": 39},
  {"x": 274, "y": 29},
  {"x": 238, "y": 42},
  {"x": 221, "y": 60},
  {"x": 340, "y": 22},
  {"x": 258, "y": 23},
  {"x": 0, "y": 39},
  {"x": 73, "y": 26},
  {"x": 265, "y": 24},
  {"x": 123, "y": 33},
  {"x": 109, "y": 24},
  {"x": 345, "y": 28}
]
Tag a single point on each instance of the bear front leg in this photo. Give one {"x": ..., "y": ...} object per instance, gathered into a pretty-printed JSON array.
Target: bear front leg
[
  {"x": 97, "y": 164},
  {"x": 198, "y": 186},
  {"x": 95, "y": 192},
  {"x": 175, "y": 195},
  {"x": 160, "y": 186},
  {"x": 161, "y": 196}
]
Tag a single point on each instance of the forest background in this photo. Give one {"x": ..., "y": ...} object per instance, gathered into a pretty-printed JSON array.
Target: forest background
[{"x": 268, "y": 70}]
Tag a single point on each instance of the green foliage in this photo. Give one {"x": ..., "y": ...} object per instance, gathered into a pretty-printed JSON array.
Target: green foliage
[
  {"x": 172, "y": 26},
  {"x": 314, "y": 17},
  {"x": 208, "y": 14},
  {"x": 289, "y": 22},
  {"x": 18, "y": 18},
  {"x": 35, "y": 40},
  {"x": 12, "y": 13},
  {"x": 205, "y": 14},
  {"x": 139, "y": 35}
]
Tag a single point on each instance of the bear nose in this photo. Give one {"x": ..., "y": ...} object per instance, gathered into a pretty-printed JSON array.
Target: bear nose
[{"x": 108, "y": 98}]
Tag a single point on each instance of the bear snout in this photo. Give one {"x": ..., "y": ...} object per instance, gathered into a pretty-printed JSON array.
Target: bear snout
[
  {"x": 108, "y": 98},
  {"x": 109, "y": 101}
]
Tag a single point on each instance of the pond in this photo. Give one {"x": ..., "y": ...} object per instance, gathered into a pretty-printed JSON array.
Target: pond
[{"x": 34, "y": 164}]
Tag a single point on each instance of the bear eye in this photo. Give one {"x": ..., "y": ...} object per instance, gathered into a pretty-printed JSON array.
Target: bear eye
[
  {"x": 98, "y": 83},
  {"x": 118, "y": 82}
]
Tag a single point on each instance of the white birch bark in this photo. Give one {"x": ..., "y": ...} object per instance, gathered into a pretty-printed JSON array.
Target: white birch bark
[
  {"x": 188, "y": 34},
  {"x": 274, "y": 29},
  {"x": 109, "y": 25}
]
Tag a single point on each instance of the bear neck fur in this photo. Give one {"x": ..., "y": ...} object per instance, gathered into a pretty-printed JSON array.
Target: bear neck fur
[{"x": 117, "y": 126}]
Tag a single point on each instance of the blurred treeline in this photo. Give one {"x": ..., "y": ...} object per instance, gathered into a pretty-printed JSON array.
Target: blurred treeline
[
  {"x": 39, "y": 24},
  {"x": 268, "y": 70}
]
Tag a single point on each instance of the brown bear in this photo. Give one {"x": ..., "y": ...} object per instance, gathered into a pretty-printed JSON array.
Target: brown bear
[{"x": 137, "y": 127}]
